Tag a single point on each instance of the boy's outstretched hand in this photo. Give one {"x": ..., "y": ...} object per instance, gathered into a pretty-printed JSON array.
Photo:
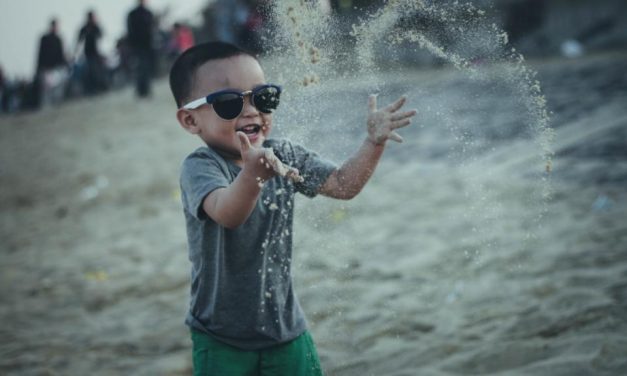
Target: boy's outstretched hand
[
  {"x": 263, "y": 163},
  {"x": 383, "y": 123}
]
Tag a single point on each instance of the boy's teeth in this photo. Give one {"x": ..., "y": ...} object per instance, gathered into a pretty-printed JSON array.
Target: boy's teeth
[{"x": 249, "y": 128}]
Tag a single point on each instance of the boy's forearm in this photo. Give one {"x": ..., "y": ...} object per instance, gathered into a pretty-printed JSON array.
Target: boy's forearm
[
  {"x": 231, "y": 206},
  {"x": 348, "y": 180}
]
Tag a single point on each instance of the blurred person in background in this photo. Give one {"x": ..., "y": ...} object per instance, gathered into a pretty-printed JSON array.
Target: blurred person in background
[
  {"x": 11, "y": 93},
  {"x": 250, "y": 30},
  {"x": 94, "y": 76},
  {"x": 3, "y": 91},
  {"x": 181, "y": 39},
  {"x": 140, "y": 27},
  {"x": 228, "y": 17},
  {"x": 121, "y": 70},
  {"x": 239, "y": 22},
  {"x": 52, "y": 69}
]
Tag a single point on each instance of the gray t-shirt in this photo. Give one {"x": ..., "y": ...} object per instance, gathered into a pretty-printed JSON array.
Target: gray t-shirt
[{"x": 241, "y": 284}]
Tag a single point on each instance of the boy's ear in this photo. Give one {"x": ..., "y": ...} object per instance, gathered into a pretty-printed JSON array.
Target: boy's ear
[{"x": 187, "y": 120}]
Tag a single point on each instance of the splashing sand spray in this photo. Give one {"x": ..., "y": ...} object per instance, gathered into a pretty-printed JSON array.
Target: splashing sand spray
[
  {"x": 458, "y": 33},
  {"x": 305, "y": 33}
]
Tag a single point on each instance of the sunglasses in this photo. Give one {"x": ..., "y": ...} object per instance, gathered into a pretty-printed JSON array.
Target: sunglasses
[{"x": 228, "y": 104}]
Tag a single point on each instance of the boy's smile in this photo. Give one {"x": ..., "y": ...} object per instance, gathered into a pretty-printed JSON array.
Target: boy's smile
[
  {"x": 240, "y": 74},
  {"x": 252, "y": 131}
]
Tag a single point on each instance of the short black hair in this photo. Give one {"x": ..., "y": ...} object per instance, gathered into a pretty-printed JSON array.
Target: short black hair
[{"x": 184, "y": 68}]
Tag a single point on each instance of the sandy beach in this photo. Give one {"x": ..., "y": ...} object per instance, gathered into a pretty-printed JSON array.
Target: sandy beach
[{"x": 450, "y": 262}]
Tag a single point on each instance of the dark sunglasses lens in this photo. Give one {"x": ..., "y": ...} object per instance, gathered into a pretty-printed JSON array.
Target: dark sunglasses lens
[
  {"x": 228, "y": 106},
  {"x": 267, "y": 99}
]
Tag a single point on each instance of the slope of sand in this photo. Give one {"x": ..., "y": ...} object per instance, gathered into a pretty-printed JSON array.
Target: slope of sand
[{"x": 449, "y": 262}]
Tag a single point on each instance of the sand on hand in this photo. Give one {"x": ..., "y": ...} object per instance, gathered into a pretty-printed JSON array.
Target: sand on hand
[{"x": 271, "y": 161}]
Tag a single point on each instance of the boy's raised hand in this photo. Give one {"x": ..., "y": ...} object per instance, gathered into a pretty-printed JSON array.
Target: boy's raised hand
[
  {"x": 383, "y": 123},
  {"x": 263, "y": 163}
]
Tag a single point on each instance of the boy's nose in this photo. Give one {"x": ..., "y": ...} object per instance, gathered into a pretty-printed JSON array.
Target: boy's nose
[{"x": 249, "y": 109}]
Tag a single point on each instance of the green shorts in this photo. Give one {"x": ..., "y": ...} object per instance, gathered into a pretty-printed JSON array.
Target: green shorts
[{"x": 295, "y": 358}]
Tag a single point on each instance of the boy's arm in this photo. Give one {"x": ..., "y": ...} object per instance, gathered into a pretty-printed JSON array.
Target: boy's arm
[
  {"x": 348, "y": 180},
  {"x": 231, "y": 206}
]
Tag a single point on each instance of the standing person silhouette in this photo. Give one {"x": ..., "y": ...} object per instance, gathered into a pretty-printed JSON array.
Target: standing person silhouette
[
  {"x": 94, "y": 79},
  {"x": 140, "y": 26},
  {"x": 51, "y": 72},
  {"x": 4, "y": 93}
]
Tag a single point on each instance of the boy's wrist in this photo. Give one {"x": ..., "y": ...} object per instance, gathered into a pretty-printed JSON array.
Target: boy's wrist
[
  {"x": 374, "y": 142},
  {"x": 251, "y": 179}
]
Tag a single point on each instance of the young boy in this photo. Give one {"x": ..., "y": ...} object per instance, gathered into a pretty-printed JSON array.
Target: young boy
[{"x": 237, "y": 194}]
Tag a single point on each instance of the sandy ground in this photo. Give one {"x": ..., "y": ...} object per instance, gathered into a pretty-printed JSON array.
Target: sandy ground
[{"x": 450, "y": 262}]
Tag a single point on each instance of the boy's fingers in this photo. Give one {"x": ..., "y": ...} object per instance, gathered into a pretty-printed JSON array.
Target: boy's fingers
[
  {"x": 244, "y": 142},
  {"x": 270, "y": 157},
  {"x": 294, "y": 175},
  {"x": 372, "y": 103},
  {"x": 396, "y": 105},
  {"x": 400, "y": 124},
  {"x": 403, "y": 115},
  {"x": 395, "y": 137},
  {"x": 272, "y": 162}
]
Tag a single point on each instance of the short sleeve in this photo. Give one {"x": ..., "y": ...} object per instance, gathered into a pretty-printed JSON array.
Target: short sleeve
[
  {"x": 201, "y": 174},
  {"x": 314, "y": 169}
]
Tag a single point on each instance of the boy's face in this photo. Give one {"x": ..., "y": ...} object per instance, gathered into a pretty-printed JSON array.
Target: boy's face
[{"x": 240, "y": 73}]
